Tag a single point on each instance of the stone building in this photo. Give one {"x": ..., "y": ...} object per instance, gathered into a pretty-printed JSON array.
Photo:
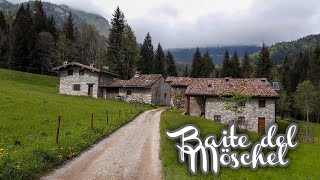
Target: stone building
[
  {"x": 203, "y": 98},
  {"x": 142, "y": 88},
  {"x": 81, "y": 80}
]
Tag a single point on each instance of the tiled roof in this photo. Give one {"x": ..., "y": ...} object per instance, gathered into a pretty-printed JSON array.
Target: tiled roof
[
  {"x": 83, "y": 66},
  {"x": 114, "y": 83},
  {"x": 144, "y": 80},
  {"x": 256, "y": 87},
  {"x": 179, "y": 81}
]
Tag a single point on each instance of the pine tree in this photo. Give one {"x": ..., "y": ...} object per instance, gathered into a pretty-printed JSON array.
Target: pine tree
[
  {"x": 4, "y": 41},
  {"x": 131, "y": 52},
  {"x": 264, "y": 64},
  {"x": 51, "y": 28},
  {"x": 69, "y": 28},
  {"x": 235, "y": 66},
  {"x": 314, "y": 73},
  {"x": 186, "y": 72},
  {"x": 171, "y": 69},
  {"x": 63, "y": 51},
  {"x": 208, "y": 66},
  {"x": 226, "y": 66},
  {"x": 147, "y": 55},
  {"x": 40, "y": 17},
  {"x": 115, "y": 54},
  {"x": 197, "y": 65},
  {"x": 246, "y": 67},
  {"x": 159, "y": 61}
]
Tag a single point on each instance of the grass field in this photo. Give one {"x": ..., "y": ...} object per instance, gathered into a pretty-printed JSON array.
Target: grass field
[
  {"x": 304, "y": 160},
  {"x": 29, "y": 109}
]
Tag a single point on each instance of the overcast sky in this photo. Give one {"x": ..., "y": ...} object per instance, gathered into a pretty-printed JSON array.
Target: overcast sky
[{"x": 191, "y": 23}]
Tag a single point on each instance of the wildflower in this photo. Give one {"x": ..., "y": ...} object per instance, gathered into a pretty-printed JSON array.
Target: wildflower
[{"x": 18, "y": 167}]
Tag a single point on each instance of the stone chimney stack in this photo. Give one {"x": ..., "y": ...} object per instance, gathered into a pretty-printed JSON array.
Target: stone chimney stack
[
  {"x": 137, "y": 74},
  {"x": 65, "y": 62},
  {"x": 92, "y": 65}
]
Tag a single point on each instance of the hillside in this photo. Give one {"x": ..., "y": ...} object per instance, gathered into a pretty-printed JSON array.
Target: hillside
[
  {"x": 60, "y": 12},
  {"x": 185, "y": 55},
  {"x": 291, "y": 49},
  {"x": 30, "y": 106}
]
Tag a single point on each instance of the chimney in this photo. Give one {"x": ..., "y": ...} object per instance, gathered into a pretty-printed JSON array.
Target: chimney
[
  {"x": 65, "y": 62},
  {"x": 137, "y": 74},
  {"x": 92, "y": 65}
]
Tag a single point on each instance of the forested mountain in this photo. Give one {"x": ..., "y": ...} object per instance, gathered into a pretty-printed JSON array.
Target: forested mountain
[
  {"x": 291, "y": 49},
  {"x": 185, "y": 55},
  {"x": 61, "y": 12}
]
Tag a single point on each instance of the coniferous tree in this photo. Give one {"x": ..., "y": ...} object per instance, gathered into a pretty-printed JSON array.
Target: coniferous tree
[
  {"x": 226, "y": 66},
  {"x": 186, "y": 72},
  {"x": 115, "y": 54},
  {"x": 285, "y": 75},
  {"x": 147, "y": 55},
  {"x": 51, "y": 28},
  {"x": 159, "y": 61},
  {"x": 40, "y": 17},
  {"x": 4, "y": 41},
  {"x": 69, "y": 28},
  {"x": 197, "y": 65},
  {"x": 314, "y": 73},
  {"x": 264, "y": 64},
  {"x": 246, "y": 67},
  {"x": 131, "y": 52},
  {"x": 235, "y": 66},
  {"x": 208, "y": 66},
  {"x": 171, "y": 69}
]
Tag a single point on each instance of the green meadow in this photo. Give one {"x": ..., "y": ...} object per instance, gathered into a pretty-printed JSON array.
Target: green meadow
[
  {"x": 29, "y": 110},
  {"x": 304, "y": 159}
]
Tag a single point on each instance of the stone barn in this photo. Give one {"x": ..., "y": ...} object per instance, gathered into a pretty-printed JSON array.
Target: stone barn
[
  {"x": 203, "y": 98},
  {"x": 81, "y": 80}
]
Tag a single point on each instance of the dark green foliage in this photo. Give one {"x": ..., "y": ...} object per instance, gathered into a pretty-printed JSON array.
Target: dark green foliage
[
  {"x": 264, "y": 64},
  {"x": 208, "y": 66},
  {"x": 246, "y": 67},
  {"x": 39, "y": 17},
  {"x": 197, "y": 65},
  {"x": 51, "y": 27},
  {"x": 147, "y": 55},
  {"x": 315, "y": 66},
  {"x": 69, "y": 28},
  {"x": 159, "y": 61},
  {"x": 115, "y": 53},
  {"x": 171, "y": 68},
  {"x": 226, "y": 66},
  {"x": 186, "y": 72},
  {"x": 131, "y": 53},
  {"x": 235, "y": 66},
  {"x": 4, "y": 41}
]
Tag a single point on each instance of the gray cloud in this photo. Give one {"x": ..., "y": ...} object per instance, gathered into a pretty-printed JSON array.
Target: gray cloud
[{"x": 266, "y": 21}]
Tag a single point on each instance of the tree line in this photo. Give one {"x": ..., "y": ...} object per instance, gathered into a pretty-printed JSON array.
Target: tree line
[{"x": 31, "y": 42}]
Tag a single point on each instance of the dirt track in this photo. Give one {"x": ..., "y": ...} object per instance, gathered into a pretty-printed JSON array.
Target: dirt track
[{"x": 132, "y": 152}]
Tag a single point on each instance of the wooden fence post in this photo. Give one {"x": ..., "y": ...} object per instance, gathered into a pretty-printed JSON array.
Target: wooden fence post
[
  {"x": 91, "y": 121},
  {"x": 107, "y": 114},
  {"x": 58, "y": 130}
]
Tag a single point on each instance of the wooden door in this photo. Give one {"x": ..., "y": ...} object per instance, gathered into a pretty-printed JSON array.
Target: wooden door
[
  {"x": 90, "y": 90},
  {"x": 261, "y": 125}
]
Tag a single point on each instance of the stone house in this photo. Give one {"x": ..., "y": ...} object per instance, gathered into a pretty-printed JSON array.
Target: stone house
[
  {"x": 81, "y": 80},
  {"x": 203, "y": 98},
  {"x": 142, "y": 88}
]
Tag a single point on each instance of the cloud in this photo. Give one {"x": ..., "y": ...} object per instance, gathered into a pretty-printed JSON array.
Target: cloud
[{"x": 188, "y": 23}]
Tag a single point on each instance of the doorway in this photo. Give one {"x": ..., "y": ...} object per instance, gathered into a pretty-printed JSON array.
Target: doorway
[
  {"x": 261, "y": 125},
  {"x": 90, "y": 90}
]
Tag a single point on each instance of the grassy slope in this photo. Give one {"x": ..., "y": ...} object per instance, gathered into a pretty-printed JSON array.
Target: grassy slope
[
  {"x": 29, "y": 107},
  {"x": 304, "y": 160}
]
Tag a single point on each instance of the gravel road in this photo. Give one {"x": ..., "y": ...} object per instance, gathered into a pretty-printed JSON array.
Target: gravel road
[{"x": 132, "y": 152}]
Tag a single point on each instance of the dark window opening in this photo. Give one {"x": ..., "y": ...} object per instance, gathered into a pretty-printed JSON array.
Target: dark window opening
[
  {"x": 165, "y": 95},
  {"x": 262, "y": 103},
  {"x": 81, "y": 72},
  {"x": 217, "y": 118},
  {"x": 129, "y": 92},
  {"x": 70, "y": 72},
  {"x": 241, "y": 119},
  {"x": 76, "y": 87}
]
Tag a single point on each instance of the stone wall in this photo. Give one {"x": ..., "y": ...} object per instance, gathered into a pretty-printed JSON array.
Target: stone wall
[
  {"x": 160, "y": 93},
  {"x": 178, "y": 99},
  {"x": 140, "y": 95},
  {"x": 197, "y": 106},
  {"x": 67, "y": 82},
  {"x": 252, "y": 111}
]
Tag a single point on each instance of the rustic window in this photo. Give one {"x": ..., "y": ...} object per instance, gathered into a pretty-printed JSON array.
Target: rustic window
[
  {"x": 241, "y": 119},
  {"x": 70, "y": 72},
  {"x": 217, "y": 118},
  {"x": 76, "y": 87},
  {"x": 129, "y": 92},
  {"x": 81, "y": 72},
  {"x": 165, "y": 95},
  {"x": 262, "y": 103}
]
